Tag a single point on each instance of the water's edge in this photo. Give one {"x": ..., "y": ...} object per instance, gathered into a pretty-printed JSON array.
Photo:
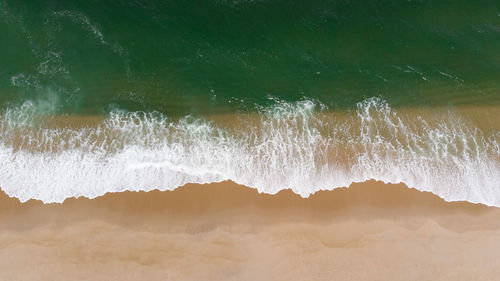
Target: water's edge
[{"x": 297, "y": 146}]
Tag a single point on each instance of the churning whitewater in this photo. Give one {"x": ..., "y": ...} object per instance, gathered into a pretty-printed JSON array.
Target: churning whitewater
[{"x": 297, "y": 145}]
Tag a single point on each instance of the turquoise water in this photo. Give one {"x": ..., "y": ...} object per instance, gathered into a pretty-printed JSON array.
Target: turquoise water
[
  {"x": 190, "y": 57},
  {"x": 108, "y": 96}
]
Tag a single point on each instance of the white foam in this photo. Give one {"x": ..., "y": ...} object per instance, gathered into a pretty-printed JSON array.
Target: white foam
[{"x": 290, "y": 145}]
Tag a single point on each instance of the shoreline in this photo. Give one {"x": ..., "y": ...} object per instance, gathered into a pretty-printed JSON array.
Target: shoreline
[
  {"x": 443, "y": 152},
  {"x": 224, "y": 231}
]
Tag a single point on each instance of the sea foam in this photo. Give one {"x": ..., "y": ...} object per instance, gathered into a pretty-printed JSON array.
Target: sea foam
[{"x": 300, "y": 145}]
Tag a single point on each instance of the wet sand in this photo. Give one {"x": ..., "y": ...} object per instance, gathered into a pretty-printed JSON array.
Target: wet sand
[{"x": 370, "y": 231}]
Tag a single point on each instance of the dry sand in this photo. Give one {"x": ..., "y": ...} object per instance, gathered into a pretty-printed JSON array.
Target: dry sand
[{"x": 370, "y": 231}]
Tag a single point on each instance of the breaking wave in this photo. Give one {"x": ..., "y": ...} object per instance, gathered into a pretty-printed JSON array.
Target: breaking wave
[{"x": 301, "y": 146}]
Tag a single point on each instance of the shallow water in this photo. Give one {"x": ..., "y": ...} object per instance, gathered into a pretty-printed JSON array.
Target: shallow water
[
  {"x": 288, "y": 145},
  {"x": 103, "y": 96}
]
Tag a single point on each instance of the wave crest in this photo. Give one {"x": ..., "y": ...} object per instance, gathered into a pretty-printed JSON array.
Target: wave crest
[{"x": 298, "y": 145}]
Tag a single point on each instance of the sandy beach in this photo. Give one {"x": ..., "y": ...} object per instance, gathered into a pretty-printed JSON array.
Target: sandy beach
[
  {"x": 249, "y": 140},
  {"x": 223, "y": 231}
]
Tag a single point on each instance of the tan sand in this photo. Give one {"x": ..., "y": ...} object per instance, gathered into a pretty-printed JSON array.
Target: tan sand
[{"x": 371, "y": 231}]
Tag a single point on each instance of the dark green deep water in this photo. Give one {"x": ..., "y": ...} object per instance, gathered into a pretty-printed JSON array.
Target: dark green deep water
[{"x": 202, "y": 57}]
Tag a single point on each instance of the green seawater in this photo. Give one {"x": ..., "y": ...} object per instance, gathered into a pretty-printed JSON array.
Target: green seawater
[{"x": 204, "y": 57}]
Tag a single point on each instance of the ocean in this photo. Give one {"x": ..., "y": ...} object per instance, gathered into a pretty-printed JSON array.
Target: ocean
[{"x": 108, "y": 96}]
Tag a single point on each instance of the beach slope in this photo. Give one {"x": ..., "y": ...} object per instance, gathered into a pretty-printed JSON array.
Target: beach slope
[{"x": 224, "y": 231}]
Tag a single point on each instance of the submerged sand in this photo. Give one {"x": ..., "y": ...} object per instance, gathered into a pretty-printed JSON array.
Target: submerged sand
[{"x": 222, "y": 231}]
